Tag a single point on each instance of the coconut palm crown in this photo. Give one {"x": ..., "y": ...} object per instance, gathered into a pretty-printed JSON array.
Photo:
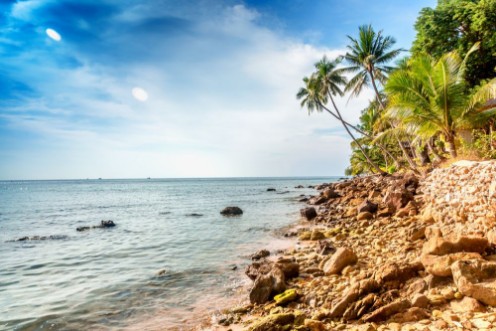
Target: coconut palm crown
[{"x": 368, "y": 56}]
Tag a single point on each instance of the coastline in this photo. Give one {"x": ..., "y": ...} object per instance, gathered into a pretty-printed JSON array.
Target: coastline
[{"x": 385, "y": 253}]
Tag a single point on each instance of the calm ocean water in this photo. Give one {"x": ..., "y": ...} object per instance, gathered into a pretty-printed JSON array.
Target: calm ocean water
[{"x": 109, "y": 279}]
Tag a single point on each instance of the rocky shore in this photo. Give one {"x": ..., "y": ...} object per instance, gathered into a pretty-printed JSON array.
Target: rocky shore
[{"x": 383, "y": 253}]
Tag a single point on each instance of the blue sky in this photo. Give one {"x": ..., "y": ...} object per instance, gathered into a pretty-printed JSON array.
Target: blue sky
[{"x": 167, "y": 88}]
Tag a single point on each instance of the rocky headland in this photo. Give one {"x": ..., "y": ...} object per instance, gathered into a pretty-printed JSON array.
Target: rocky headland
[{"x": 384, "y": 253}]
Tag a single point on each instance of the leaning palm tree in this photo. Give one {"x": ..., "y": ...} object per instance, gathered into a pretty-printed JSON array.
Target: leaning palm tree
[
  {"x": 321, "y": 87},
  {"x": 368, "y": 56},
  {"x": 433, "y": 95}
]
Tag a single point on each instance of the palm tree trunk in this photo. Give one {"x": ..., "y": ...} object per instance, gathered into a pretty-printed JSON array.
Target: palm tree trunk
[
  {"x": 433, "y": 149},
  {"x": 378, "y": 96},
  {"x": 424, "y": 154},
  {"x": 375, "y": 166},
  {"x": 340, "y": 118},
  {"x": 412, "y": 164},
  {"x": 405, "y": 153},
  {"x": 450, "y": 139}
]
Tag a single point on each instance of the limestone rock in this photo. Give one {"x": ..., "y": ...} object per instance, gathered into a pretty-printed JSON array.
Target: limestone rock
[
  {"x": 314, "y": 325},
  {"x": 441, "y": 265},
  {"x": 273, "y": 322},
  {"x": 340, "y": 259},
  {"x": 467, "y": 304},
  {"x": 388, "y": 310},
  {"x": 442, "y": 246},
  {"x": 367, "y": 206},
  {"x": 476, "y": 279},
  {"x": 352, "y": 294},
  {"x": 267, "y": 284},
  {"x": 364, "y": 216}
]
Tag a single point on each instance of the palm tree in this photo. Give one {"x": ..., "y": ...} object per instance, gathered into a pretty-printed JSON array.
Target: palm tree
[
  {"x": 433, "y": 95},
  {"x": 322, "y": 86},
  {"x": 368, "y": 57}
]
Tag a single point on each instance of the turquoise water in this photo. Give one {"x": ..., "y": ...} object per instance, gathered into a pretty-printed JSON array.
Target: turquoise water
[{"x": 108, "y": 279}]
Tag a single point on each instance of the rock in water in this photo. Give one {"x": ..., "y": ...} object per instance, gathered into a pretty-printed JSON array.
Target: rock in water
[
  {"x": 232, "y": 211},
  {"x": 271, "y": 189},
  {"x": 107, "y": 224}
]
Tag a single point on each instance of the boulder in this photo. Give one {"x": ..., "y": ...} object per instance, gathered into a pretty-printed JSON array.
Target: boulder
[
  {"x": 339, "y": 260},
  {"x": 232, "y": 211},
  {"x": 359, "y": 308},
  {"x": 290, "y": 269},
  {"x": 309, "y": 213},
  {"x": 367, "y": 206},
  {"x": 440, "y": 265},
  {"x": 329, "y": 193},
  {"x": 317, "y": 235},
  {"x": 467, "y": 304},
  {"x": 365, "y": 216},
  {"x": 359, "y": 289},
  {"x": 420, "y": 301},
  {"x": 440, "y": 246},
  {"x": 476, "y": 279},
  {"x": 260, "y": 254},
  {"x": 413, "y": 314},
  {"x": 273, "y": 322},
  {"x": 266, "y": 285},
  {"x": 393, "y": 274},
  {"x": 388, "y": 310},
  {"x": 396, "y": 199},
  {"x": 258, "y": 268},
  {"x": 313, "y": 325}
]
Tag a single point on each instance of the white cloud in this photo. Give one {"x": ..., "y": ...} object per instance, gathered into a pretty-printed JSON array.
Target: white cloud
[{"x": 233, "y": 113}]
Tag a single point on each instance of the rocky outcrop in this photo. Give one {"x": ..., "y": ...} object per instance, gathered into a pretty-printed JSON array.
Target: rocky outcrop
[{"x": 425, "y": 258}]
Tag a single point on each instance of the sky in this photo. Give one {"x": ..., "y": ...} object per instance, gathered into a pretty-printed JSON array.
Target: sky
[{"x": 168, "y": 88}]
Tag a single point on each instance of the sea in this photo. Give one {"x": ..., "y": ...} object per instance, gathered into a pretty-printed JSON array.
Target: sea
[{"x": 171, "y": 259}]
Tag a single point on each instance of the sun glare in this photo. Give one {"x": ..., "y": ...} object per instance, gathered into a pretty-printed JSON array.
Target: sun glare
[
  {"x": 53, "y": 34},
  {"x": 139, "y": 94}
]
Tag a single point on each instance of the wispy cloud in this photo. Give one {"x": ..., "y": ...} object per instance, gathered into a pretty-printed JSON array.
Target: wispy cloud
[{"x": 221, "y": 91}]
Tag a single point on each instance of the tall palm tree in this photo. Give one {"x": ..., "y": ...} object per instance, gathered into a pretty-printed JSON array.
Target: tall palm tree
[
  {"x": 433, "y": 95},
  {"x": 322, "y": 86},
  {"x": 368, "y": 56}
]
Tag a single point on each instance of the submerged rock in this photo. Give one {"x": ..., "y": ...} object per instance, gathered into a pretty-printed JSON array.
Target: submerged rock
[
  {"x": 41, "y": 238},
  {"x": 103, "y": 224}
]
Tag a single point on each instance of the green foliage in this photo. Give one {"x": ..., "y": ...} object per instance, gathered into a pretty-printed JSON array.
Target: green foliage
[
  {"x": 484, "y": 144},
  {"x": 457, "y": 25}
]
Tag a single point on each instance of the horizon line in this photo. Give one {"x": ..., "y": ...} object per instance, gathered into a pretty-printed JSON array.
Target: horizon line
[{"x": 173, "y": 178}]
